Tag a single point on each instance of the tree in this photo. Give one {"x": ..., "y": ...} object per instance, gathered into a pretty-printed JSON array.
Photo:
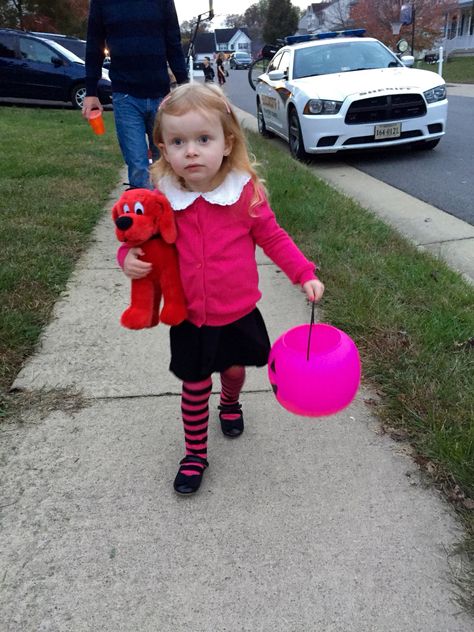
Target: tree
[
  {"x": 188, "y": 27},
  {"x": 13, "y": 12},
  {"x": 235, "y": 21},
  {"x": 281, "y": 20},
  {"x": 377, "y": 19},
  {"x": 337, "y": 16},
  {"x": 60, "y": 16},
  {"x": 255, "y": 17}
]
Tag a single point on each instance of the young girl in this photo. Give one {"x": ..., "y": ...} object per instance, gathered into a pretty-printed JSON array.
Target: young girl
[
  {"x": 220, "y": 69},
  {"x": 221, "y": 214}
]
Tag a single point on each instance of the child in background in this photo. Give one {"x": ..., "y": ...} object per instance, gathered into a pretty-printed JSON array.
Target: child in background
[
  {"x": 208, "y": 70},
  {"x": 222, "y": 214},
  {"x": 221, "y": 73}
]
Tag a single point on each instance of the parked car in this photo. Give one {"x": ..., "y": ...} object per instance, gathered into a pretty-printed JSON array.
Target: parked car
[
  {"x": 35, "y": 68},
  {"x": 240, "y": 60},
  {"x": 74, "y": 44},
  {"x": 341, "y": 91}
]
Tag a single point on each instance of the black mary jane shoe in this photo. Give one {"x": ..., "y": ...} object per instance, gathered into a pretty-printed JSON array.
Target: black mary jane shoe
[
  {"x": 231, "y": 427},
  {"x": 188, "y": 484}
]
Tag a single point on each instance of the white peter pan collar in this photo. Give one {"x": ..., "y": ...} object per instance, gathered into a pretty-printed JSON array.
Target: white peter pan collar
[{"x": 225, "y": 194}]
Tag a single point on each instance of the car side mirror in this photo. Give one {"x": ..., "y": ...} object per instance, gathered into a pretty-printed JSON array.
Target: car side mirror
[
  {"x": 276, "y": 75},
  {"x": 408, "y": 60},
  {"x": 56, "y": 61}
]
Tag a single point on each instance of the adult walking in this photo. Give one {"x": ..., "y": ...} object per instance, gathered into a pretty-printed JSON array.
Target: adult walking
[
  {"x": 220, "y": 69},
  {"x": 141, "y": 37}
]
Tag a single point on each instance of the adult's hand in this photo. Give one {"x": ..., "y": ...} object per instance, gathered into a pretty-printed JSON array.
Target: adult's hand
[{"x": 91, "y": 103}]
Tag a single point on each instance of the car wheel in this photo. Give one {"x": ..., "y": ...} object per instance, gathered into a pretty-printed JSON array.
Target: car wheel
[
  {"x": 262, "y": 128},
  {"x": 77, "y": 96},
  {"x": 426, "y": 145},
  {"x": 295, "y": 137}
]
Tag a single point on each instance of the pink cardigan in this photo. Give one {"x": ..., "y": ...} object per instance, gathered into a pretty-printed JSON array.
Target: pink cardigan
[{"x": 216, "y": 252}]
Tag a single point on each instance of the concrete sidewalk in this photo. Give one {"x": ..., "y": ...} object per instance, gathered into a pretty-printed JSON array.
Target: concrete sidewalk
[{"x": 301, "y": 525}]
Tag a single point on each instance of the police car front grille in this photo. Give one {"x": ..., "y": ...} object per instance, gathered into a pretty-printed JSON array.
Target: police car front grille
[
  {"x": 389, "y": 108},
  {"x": 362, "y": 140}
]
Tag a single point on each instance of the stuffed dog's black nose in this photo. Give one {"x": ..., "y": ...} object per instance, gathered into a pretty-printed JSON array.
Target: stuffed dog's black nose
[{"x": 123, "y": 222}]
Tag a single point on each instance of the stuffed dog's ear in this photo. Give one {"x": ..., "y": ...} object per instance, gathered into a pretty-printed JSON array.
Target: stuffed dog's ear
[
  {"x": 116, "y": 210},
  {"x": 167, "y": 224}
]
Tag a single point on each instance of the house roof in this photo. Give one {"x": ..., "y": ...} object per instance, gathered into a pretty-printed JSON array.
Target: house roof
[
  {"x": 225, "y": 35},
  {"x": 205, "y": 43}
]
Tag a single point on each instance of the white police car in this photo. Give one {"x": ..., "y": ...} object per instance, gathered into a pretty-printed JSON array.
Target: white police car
[{"x": 338, "y": 91}]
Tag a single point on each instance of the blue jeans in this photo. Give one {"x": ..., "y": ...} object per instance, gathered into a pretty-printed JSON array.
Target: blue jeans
[{"x": 134, "y": 120}]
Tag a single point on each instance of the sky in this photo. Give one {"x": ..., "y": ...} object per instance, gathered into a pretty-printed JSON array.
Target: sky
[{"x": 187, "y": 10}]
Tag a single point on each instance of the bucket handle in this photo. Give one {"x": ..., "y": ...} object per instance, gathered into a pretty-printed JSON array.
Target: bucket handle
[{"x": 311, "y": 323}]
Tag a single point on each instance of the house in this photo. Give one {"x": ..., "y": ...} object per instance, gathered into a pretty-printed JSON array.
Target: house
[
  {"x": 210, "y": 43},
  {"x": 312, "y": 19},
  {"x": 204, "y": 46},
  {"x": 232, "y": 40},
  {"x": 325, "y": 16},
  {"x": 458, "y": 35}
]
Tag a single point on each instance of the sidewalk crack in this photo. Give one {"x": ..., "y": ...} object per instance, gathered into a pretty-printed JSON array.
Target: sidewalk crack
[{"x": 444, "y": 241}]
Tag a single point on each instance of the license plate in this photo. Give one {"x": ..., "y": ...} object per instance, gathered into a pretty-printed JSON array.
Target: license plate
[{"x": 389, "y": 130}]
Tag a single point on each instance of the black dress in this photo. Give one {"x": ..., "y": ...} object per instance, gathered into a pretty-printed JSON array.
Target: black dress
[
  {"x": 197, "y": 352},
  {"x": 220, "y": 72}
]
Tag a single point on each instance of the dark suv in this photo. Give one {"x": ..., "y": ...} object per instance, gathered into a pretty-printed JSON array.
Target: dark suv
[
  {"x": 74, "y": 44},
  {"x": 240, "y": 59},
  {"x": 32, "y": 67}
]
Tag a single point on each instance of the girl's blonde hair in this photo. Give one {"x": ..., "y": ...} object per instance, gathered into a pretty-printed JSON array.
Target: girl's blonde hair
[{"x": 207, "y": 98}]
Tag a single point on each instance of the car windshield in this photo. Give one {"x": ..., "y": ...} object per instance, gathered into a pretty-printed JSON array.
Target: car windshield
[
  {"x": 246, "y": 55},
  {"x": 326, "y": 59},
  {"x": 64, "y": 51}
]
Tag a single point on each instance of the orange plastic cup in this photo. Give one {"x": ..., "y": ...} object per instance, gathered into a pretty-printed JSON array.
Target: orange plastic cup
[{"x": 97, "y": 122}]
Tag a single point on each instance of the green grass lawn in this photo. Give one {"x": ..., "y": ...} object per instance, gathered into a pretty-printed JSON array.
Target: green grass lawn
[
  {"x": 455, "y": 70},
  {"x": 55, "y": 178},
  {"x": 410, "y": 315}
]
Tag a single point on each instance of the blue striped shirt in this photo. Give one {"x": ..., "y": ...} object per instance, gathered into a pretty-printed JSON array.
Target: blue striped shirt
[{"x": 141, "y": 36}]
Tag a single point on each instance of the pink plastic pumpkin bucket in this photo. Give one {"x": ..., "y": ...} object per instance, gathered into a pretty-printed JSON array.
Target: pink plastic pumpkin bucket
[{"x": 315, "y": 372}]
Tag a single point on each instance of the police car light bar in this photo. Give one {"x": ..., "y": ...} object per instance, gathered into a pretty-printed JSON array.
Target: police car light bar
[{"x": 297, "y": 39}]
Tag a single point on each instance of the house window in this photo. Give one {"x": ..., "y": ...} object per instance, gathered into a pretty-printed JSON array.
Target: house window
[
  {"x": 232, "y": 46},
  {"x": 243, "y": 46},
  {"x": 454, "y": 26}
]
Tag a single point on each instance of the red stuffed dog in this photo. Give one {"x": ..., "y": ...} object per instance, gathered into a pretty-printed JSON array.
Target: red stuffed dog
[{"x": 144, "y": 218}]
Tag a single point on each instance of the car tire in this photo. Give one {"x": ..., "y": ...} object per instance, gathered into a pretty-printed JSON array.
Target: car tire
[
  {"x": 426, "y": 145},
  {"x": 262, "y": 128},
  {"x": 78, "y": 95},
  {"x": 295, "y": 138}
]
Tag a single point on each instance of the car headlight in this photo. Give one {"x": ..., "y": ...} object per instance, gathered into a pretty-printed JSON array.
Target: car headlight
[
  {"x": 322, "y": 106},
  {"x": 435, "y": 94}
]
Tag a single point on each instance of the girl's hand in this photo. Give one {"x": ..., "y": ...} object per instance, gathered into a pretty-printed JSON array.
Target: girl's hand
[
  {"x": 133, "y": 267},
  {"x": 314, "y": 290}
]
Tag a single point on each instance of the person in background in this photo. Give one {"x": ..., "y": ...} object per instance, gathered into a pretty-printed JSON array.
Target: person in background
[
  {"x": 221, "y": 73},
  {"x": 208, "y": 70},
  {"x": 141, "y": 37}
]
